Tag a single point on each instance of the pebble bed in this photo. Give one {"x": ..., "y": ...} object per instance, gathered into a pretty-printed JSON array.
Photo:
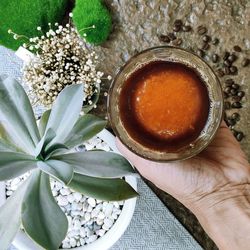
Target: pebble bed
[{"x": 89, "y": 218}]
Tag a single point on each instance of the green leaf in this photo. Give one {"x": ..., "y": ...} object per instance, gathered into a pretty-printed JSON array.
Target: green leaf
[
  {"x": 16, "y": 114},
  {"x": 98, "y": 164},
  {"x": 102, "y": 189},
  {"x": 4, "y": 146},
  {"x": 55, "y": 148},
  {"x": 6, "y": 142},
  {"x": 14, "y": 164},
  {"x": 85, "y": 128},
  {"x": 10, "y": 216},
  {"x": 43, "y": 122},
  {"x": 47, "y": 138},
  {"x": 65, "y": 112},
  {"x": 42, "y": 219},
  {"x": 57, "y": 169}
]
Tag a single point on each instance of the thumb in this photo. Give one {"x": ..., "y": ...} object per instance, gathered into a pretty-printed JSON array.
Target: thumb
[{"x": 145, "y": 167}]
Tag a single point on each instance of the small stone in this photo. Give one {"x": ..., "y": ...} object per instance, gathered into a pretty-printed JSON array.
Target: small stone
[
  {"x": 82, "y": 232},
  {"x": 241, "y": 94},
  {"x": 91, "y": 201},
  {"x": 54, "y": 192},
  {"x": 178, "y": 22},
  {"x": 172, "y": 36},
  {"x": 108, "y": 210},
  {"x": 82, "y": 241},
  {"x": 66, "y": 245},
  {"x": 215, "y": 41},
  {"x": 164, "y": 38},
  {"x": 233, "y": 69},
  {"x": 239, "y": 136},
  {"x": 226, "y": 55},
  {"x": 245, "y": 62},
  {"x": 77, "y": 224},
  {"x": 77, "y": 196},
  {"x": 177, "y": 42},
  {"x": 220, "y": 73},
  {"x": 64, "y": 191},
  {"x": 101, "y": 216},
  {"x": 201, "y": 30},
  {"x": 108, "y": 222},
  {"x": 9, "y": 193},
  {"x": 200, "y": 53},
  {"x": 186, "y": 28},
  {"x": 99, "y": 221},
  {"x": 206, "y": 38},
  {"x": 87, "y": 216},
  {"x": 62, "y": 201},
  {"x": 237, "y": 48},
  {"x": 205, "y": 46},
  {"x": 100, "y": 232},
  {"x": 92, "y": 238},
  {"x": 72, "y": 242},
  {"x": 70, "y": 198},
  {"x": 215, "y": 58},
  {"x": 229, "y": 82},
  {"x": 236, "y": 105}
]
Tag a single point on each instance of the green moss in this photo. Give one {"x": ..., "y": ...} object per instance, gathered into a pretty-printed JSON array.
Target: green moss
[
  {"x": 92, "y": 12},
  {"x": 24, "y": 16}
]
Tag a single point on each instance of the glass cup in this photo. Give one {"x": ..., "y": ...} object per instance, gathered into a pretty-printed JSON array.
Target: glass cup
[{"x": 207, "y": 75}]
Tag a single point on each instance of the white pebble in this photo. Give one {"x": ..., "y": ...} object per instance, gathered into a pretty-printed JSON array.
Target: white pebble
[
  {"x": 100, "y": 232},
  {"x": 72, "y": 242},
  {"x": 62, "y": 201},
  {"x": 9, "y": 193},
  {"x": 108, "y": 222},
  {"x": 94, "y": 213},
  {"x": 54, "y": 192},
  {"x": 65, "y": 245},
  {"x": 92, "y": 238},
  {"x": 99, "y": 221},
  {"x": 64, "y": 191},
  {"x": 15, "y": 181},
  {"x": 91, "y": 202},
  {"x": 77, "y": 196},
  {"x": 89, "y": 209},
  {"x": 82, "y": 232},
  {"x": 77, "y": 224},
  {"x": 108, "y": 210},
  {"x": 82, "y": 241},
  {"x": 87, "y": 216},
  {"x": 70, "y": 198},
  {"x": 101, "y": 216}
]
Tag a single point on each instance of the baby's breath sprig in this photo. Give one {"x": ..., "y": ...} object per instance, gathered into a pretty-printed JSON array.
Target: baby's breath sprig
[{"x": 61, "y": 59}]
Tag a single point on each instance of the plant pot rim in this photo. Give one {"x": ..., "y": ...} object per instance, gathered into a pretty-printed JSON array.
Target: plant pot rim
[{"x": 23, "y": 242}]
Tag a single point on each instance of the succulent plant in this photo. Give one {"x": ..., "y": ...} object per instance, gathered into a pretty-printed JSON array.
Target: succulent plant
[{"x": 47, "y": 151}]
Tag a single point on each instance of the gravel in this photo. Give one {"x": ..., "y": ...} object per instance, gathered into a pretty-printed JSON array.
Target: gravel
[{"x": 89, "y": 218}]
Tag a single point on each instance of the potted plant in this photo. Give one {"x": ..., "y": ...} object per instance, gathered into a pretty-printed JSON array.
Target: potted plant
[{"x": 47, "y": 152}]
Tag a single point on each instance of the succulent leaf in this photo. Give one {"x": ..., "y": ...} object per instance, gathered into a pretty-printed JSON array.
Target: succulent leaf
[
  {"x": 16, "y": 114},
  {"x": 47, "y": 138},
  {"x": 85, "y": 128},
  {"x": 43, "y": 122},
  {"x": 99, "y": 164},
  {"x": 14, "y": 164},
  {"x": 58, "y": 169},
  {"x": 6, "y": 141},
  {"x": 10, "y": 216},
  {"x": 102, "y": 189},
  {"x": 65, "y": 112},
  {"x": 42, "y": 218}
]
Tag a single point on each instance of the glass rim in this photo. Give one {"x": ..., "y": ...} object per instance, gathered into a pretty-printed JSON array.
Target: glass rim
[{"x": 112, "y": 88}]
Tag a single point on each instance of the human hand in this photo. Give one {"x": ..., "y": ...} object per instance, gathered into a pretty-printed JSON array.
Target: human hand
[{"x": 208, "y": 184}]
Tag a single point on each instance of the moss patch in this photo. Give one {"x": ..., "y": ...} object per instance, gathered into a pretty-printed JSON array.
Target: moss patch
[
  {"x": 92, "y": 12},
  {"x": 24, "y": 16}
]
